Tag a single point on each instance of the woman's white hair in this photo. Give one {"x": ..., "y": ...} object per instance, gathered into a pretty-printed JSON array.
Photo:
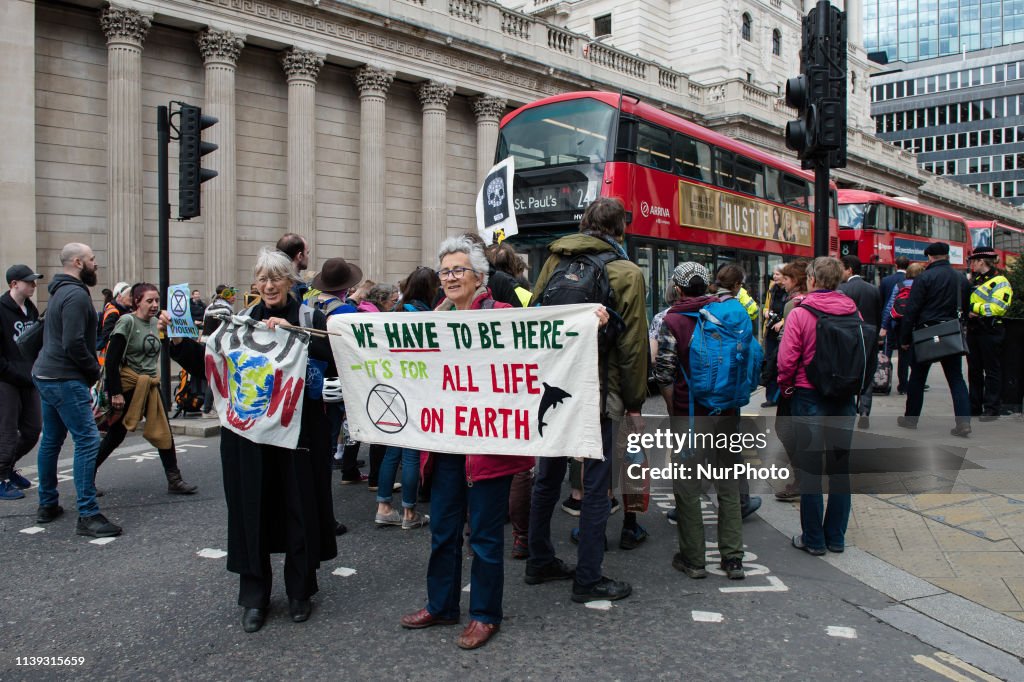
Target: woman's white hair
[
  {"x": 477, "y": 258},
  {"x": 274, "y": 263}
]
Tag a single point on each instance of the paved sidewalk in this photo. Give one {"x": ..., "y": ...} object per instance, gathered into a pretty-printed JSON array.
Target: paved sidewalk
[{"x": 967, "y": 539}]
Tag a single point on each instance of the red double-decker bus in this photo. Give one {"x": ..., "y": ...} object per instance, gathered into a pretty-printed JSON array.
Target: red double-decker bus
[
  {"x": 878, "y": 229},
  {"x": 1007, "y": 240},
  {"x": 691, "y": 193}
]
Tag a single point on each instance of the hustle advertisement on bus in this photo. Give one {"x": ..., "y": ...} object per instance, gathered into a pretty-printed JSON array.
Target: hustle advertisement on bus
[{"x": 705, "y": 208}]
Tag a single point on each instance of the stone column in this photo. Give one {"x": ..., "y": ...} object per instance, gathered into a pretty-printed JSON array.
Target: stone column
[
  {"x": 488, "y": 112},
  {"x": 18, "y": 136},
  {"x": 302, "y": 68},
  {"x": 373, "y": 84},
  {"x": 220, "y": 51},
  {"x": 125, "y": 30},
  {"x": 434, "y": 97},
  {"x": 855, "y": 23}
]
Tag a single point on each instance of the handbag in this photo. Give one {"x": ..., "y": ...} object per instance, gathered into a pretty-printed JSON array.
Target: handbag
[
  {"x": 30, "y": 342},
  {"x": 940, "y": 340}
]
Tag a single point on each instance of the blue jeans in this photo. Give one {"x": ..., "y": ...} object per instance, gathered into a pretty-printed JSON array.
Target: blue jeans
[
  {"x": 952, "y": 367},
  {"x": 67, "y": 406},
  {"x": 594, "y": 511},
  {"x": 824, "y": 428},
  {"x": 487, "y": 502},
  {"x": 410, "y": 475}
]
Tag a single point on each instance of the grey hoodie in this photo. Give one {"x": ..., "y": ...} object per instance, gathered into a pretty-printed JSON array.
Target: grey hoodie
[{"x": 69, "y": 337}]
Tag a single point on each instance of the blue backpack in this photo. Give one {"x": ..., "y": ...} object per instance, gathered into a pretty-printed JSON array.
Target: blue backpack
[{"x": 725, "y": 358}]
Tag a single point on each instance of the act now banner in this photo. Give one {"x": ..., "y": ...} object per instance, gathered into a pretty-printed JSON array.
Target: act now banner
[
  {"x": 258, "y": 376},
  {"x": 504, "y": 382}
]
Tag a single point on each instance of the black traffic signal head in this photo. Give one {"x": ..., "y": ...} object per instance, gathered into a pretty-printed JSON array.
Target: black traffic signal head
[
  {"x": 191, "y": 150},
  {"x": 802, "y": 133}
]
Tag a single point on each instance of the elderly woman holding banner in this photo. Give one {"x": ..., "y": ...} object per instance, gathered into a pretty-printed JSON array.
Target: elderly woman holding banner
[
  {"x": 278, "y": 499},
  {"x": 478, "y": 484}
]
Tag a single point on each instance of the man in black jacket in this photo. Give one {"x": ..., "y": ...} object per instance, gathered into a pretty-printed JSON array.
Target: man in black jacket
[
  {"x": 939, "y": 294},
  {"x": 889, "y": 283},
  {"x": 66, "y": 368},
  {"x": 20, "y": 416},
  {"x": 866, "y": 297}
]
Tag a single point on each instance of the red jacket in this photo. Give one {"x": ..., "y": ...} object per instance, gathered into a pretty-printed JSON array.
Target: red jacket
[
  {"x": 482, "y": 467},
  {"x": 798, "y": 336}
]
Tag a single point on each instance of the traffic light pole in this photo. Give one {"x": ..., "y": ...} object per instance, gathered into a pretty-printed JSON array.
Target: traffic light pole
[
  {"x": 821, "y": 206},
  {"x": 163, "y": 140}
]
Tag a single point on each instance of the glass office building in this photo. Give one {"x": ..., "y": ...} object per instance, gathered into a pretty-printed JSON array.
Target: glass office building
[
  {"x": 962, "y": 117},
  {"x": 912, "y": 30}
]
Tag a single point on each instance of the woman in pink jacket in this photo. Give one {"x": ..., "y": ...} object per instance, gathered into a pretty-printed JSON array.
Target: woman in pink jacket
[
  {"x": 478, "y": 484},
  {"x": 823, "y": 527}
]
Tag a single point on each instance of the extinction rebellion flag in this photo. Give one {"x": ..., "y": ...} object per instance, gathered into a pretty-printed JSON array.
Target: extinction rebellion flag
[
  {"x": 258, "y": 377},
  {"x": 503, "y": 382},
  {"x": 495, "y": 217}
]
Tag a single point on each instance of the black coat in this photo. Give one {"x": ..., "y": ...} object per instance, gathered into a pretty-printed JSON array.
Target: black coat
[
  {"x": 14, "y": 369},
  {"x": 276, "y": 497},
  {"x": 866, "y": 297},
  {"x": 933, "y": 298}
]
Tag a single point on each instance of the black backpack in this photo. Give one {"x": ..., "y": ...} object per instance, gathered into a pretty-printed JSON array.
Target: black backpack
[
  {"x": 844, "y": 354},
  {"x": 583, "y": 279},
  {"x": 30, "y": 342}
]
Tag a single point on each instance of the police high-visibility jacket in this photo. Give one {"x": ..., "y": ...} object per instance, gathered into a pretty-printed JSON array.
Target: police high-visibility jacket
[
  {"x": 748, "y": 302},
  {"x": 992, "y": 295}
]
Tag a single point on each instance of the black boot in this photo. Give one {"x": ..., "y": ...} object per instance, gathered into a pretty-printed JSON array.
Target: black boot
[{"x": 176, "y": 486}]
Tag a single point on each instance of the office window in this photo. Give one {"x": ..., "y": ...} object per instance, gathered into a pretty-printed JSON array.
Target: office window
[
  {"x": 951, "y": 141},
  {"x": 986, "y": 138},
  {"x": 603, "y": 25},
  {"x": 1008, "y": 162},
  {"x": 746, "y": 26},
  {"x": 940, "y": 116},
  {"x": 972, "y": 165},
  {"x": 985, "y": 164},
  {"x": 997, "y": 136},
  {"x": 940, "y": 143},
  {"x": 929, "y": 144},
  {"x": 899, "y": 89},
  {"x": 777, "y": 42}
]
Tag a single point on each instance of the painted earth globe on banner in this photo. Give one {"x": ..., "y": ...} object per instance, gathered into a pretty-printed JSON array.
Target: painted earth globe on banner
[{"x": 250, "y": 384}]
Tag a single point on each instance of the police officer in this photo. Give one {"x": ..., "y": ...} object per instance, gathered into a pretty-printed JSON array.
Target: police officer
[{"x": 990, "y": 297}]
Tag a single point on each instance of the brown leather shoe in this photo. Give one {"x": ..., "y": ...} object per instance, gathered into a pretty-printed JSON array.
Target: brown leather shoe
[
  {"x": 424, "y": 619},
  {"x": 476, "y": 634}
]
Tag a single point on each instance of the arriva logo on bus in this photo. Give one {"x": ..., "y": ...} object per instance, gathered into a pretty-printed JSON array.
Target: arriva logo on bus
[{"x": 646, "y": 210}]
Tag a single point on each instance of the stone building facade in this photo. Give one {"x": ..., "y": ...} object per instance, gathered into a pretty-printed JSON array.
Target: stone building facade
[{"x": 364, "y": 126}]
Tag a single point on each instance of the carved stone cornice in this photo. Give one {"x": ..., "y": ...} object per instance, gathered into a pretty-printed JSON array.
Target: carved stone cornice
[
  {"x": 489, "y": 108},
  {"x": 220, "y": 46},
  {"x": 124, "y": 25},
  {"x": 372, "y": 80},
  {"x": 301, "y": 64},
  {"x": 435, "y": 95}
]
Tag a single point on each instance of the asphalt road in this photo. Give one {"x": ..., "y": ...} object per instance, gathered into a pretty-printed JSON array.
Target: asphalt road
[{"x": 148, "y": 606}]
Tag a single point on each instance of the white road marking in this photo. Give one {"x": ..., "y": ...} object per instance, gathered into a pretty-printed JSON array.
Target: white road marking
[
  {"x": 840, "y": 631},
  {"x": 344, "y": 572},
  {"x": 139, "y": 459},
  {"x": 775, "y": 586},
  {"x": 32, "y": 530},
  {"x": 600, "y": 605},
  {"x": 466, "y": 588},
  {"x": 101, "y": 541},
  {"x": 208, "y": 553},
  {"x": 707, "y": 616}
]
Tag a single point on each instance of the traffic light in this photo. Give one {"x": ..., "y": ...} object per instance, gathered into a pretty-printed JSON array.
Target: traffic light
[
  {"x": 191, "y": 150},
  {"x": 804, "y": 93}
]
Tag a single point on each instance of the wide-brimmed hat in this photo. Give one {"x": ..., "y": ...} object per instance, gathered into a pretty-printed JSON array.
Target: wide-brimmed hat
[
  {"x": 337, "y": 274},
  {"x": 983, "y": 252}
]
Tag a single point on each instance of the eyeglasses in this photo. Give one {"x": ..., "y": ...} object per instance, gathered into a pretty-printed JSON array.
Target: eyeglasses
[
  {"x": 454, "y": 273},
  {"x": 265, "y": 280}
]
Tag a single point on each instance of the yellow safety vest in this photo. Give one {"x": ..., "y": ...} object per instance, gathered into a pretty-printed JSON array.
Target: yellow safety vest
[
  {"x": 992, "y": 297},
  {"x": 749, "y": 303}
]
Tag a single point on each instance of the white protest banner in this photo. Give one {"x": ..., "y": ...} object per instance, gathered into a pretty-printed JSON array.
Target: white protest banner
[
  {"x": 258, "y": 377},
  {"x": 495, "y": 215},
  {"x": 504, "y": 382},
  {"x": 181, "y": 325}
]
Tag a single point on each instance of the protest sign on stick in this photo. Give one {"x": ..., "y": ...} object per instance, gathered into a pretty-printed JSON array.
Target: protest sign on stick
[
  {"x": 182, "y": 325},
  {"x": 504, "y": 382},
  {"x": 495, "y": 213}
]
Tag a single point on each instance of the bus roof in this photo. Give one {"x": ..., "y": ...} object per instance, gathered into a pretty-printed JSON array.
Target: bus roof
[
  {"x": 993, "y": 223},
  {"x": 856, "y": 196},
  {"x": 630, "y": 105}
]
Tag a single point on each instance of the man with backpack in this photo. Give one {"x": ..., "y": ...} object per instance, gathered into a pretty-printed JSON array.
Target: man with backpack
[
  {"x": 826, "y": 357},
  {"x": 869, "y": 304},
  {"x": 592, "y": 267},
  {"x": 704, "y": 382}
]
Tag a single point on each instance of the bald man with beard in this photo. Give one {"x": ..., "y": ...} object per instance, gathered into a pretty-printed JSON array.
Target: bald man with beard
[{"x": 65, "y": 370}]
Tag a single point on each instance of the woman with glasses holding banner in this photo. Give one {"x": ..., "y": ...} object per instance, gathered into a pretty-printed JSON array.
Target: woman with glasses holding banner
[
  {"x": 278, "y": 499},
  {"x": 475, "y": 484}
]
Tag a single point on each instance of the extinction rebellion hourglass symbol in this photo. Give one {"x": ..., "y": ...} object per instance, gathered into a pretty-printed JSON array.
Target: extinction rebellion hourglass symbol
[{"x": 386, "y": 408}]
